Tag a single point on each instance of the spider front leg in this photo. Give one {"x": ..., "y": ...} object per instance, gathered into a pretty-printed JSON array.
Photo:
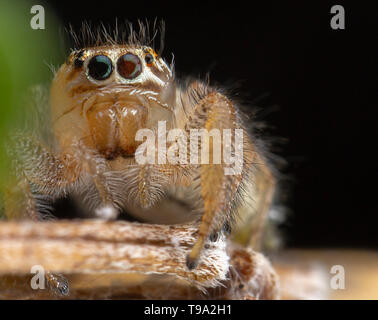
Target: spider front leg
[
  {"x": 54, "y": 173},
  {"x": 51, "y": 174},
  {"x": 34, "y": 164},
  {"x": 218, "y": 189},
  {"x": 19, "y": 201}
]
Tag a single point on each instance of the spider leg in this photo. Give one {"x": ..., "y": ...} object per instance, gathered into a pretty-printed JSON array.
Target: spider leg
[
  {"x": 218, "y": 189},
  {"x": 35, "y": 164},
  {"x": 51, "y": 174},
  {"x": 265, "y": 186},
  {"x": 19, "y": 201}
]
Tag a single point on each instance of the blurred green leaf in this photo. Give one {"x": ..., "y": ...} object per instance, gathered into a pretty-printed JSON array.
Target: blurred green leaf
[{"x": 25, "y": 57}]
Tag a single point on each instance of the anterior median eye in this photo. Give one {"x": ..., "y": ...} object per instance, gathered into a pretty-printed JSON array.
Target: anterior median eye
[
  {"x": 129, "y": 66},
  {"x": 100, "y": 67}
]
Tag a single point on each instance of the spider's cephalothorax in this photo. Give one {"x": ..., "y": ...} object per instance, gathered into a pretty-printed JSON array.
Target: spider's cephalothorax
[{"x": 100, "y": 98}]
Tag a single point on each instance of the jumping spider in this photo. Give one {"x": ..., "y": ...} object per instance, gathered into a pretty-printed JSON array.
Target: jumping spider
[{"x": 99, "y": 99}]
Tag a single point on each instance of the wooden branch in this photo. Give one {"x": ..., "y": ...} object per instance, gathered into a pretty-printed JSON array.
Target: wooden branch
[{"x": 128, "y": 260}]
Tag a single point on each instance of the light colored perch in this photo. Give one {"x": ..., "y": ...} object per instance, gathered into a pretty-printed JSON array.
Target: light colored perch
[{"x": 128, "y": 260}]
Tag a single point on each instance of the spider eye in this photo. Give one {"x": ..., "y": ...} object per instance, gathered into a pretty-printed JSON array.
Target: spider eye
[
  {"x": 129, "y": 66},
  {"x": 100, "y": 67},
  {"x": 79, "y": 59},
  {"x": 149, "y": 58}
]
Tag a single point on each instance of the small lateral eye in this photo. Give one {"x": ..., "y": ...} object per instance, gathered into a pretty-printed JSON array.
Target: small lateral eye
[
  {"x": 100, "y": 67},
  {"x": 79, "y": 59},
  {"x": 149, "y": 58},
  {"x": 129, "y": 66}
]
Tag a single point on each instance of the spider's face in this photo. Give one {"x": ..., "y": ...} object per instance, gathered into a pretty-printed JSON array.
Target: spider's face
[
  {"x": 122, "y": 65},
  {"x": 103, "y": 95}
]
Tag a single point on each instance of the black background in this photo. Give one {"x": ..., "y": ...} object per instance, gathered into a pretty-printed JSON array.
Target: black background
[{"x": 315, "y": 86}]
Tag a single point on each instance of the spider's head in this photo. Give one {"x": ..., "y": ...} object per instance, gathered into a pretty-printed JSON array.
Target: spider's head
[{"x": 102, "y": 95}]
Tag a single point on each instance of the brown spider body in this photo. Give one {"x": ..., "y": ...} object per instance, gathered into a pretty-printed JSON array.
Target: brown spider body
[{"x": 100, "y": 97}]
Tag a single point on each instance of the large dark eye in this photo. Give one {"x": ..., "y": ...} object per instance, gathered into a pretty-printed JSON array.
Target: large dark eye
[
  {"x": 129, "y": 66},
  {"x": 100, "y": 67}
]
